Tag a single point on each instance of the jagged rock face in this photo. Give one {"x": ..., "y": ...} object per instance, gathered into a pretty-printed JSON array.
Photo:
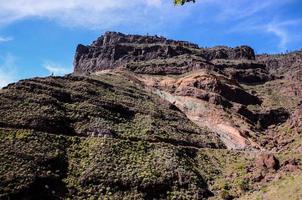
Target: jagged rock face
[
  {"x": 114, "y": 38},
  {"x": 114, "y": 50},
  {"x": 151, "y": 55},
  {"x": 213, "y": 88},
  {"x": 296, "y": 121},
  {"x": 209, "y": 100},
  {"x": 244, "y": 71},
  {"x": 223, "y": 52},
  {"x": 284, "y": 64}
]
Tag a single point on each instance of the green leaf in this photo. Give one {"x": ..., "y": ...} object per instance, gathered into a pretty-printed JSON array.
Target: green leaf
[{"x": 182, "y": 2}]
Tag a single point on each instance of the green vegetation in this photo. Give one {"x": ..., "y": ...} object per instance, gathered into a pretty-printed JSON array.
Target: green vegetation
[
  {"x": 105, "y": 105},
  {"x": 41, "y": 165},
  {"x": 106, "y": 137},
  {"x": 101, "y": 137},
  {"x": 287, "y": 188},
  {"x": 229, "y": 177},
  {"x": 272, "y": 96},
  {"x": 225, "y": 195},
  {"x": 182, "y": 2}
]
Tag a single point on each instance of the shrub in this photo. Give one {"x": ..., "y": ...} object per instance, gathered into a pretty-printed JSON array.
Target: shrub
[
  {"x": 225, "y": 195},
  {"x": 244, "y": 185}
]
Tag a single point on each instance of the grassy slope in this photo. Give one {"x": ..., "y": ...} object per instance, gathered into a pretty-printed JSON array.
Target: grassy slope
[
  {"x": 48, "y": 166},
  {"x": 286, "y": 188},
  {"x": 108, "y": 105},
  {"x": 151, "y": 150}
]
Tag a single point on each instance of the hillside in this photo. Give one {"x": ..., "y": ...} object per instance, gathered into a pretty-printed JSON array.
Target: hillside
[{"x": 145, "y": 117}]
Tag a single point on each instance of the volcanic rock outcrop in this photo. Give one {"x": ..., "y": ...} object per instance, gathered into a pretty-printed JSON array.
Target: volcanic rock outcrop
[
  {"x": 215, "y": 81},
  {"x": 158, "y": 55},
  {"x": 283, "y": 64},
  {"x": 145, "y": 117}
]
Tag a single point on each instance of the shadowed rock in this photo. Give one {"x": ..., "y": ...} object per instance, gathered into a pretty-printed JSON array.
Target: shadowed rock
[
  {"x": 151, "y": 55},
  {"x": 267, "y": 161}
]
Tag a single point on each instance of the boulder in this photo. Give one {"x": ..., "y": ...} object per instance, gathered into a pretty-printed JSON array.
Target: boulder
[
  {"x": 267, "y": 161},
  {"x": 290, "y": 165}
]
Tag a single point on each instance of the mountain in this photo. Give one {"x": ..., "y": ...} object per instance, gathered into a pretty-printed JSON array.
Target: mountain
[{"x": 145, "y": 117}]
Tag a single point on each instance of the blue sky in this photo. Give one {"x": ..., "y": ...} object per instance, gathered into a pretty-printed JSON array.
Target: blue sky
[{"x": 39, "y": 37}]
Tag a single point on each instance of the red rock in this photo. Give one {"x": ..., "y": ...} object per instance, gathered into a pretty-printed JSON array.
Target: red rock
[
  {"x": 267, "y": 161},
  {"x": 288, "y": 65},
  {"x": 290, "y": 165}
]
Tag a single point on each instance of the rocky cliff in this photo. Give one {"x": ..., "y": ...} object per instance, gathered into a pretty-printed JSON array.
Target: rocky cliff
[
  {"x": 158, "y": 55},
  {"x": 283, "y": 64},
  {"x": 145, "y": 117},
  {"x": 214, "y": 81}
]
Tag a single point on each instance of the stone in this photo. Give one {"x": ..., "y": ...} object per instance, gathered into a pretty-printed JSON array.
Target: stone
[
  {"x": 267, "y": 161},
  {"x": 290, "y": 165}
]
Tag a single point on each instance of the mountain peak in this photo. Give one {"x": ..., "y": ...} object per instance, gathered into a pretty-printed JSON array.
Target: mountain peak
[{"x": 117, "y": 50}]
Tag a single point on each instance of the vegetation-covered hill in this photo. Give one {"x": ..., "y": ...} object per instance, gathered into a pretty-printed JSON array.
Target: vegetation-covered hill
[{"x": 143, "y": 117}]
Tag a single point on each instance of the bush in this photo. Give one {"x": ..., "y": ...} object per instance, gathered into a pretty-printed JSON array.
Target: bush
[
  {"x": 225, "y": 195},
  {"x": 244, "y": 185}
]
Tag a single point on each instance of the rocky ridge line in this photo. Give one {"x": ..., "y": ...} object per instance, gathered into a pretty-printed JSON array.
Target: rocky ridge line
[
  {"x": 215, "y": 81},
  {"x": 158, "y": 55}
]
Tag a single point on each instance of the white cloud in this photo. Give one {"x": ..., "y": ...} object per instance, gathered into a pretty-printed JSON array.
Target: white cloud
[
  {"x": 140, "y": 14},
  {"x": 154, "y": 16},
  {"x": 239, "y": 9},
  {"x": 8, "y": 69},
  {"x": 5, "y": 39},
  {"x": 280, "y": 33},
  {"x": 56, "y": 69},
  {"x": 283, "y": 30},
  {"x": 95, "y": 14}
]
